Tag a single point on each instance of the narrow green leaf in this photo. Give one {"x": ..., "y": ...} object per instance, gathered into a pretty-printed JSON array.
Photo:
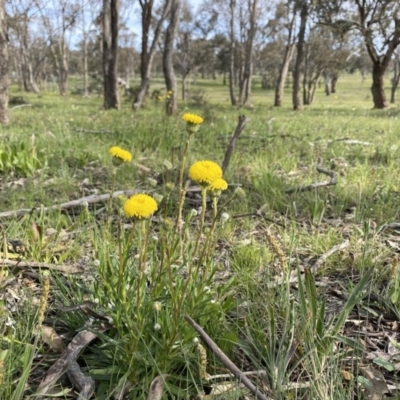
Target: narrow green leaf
[{"x": 383, "y": 363}]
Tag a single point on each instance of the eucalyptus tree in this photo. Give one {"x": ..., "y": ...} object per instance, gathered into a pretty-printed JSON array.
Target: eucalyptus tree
[
  {"x": 58, "y": 19},
  {"x": 241, "y": 21},
  {"x": 305, "y": 8},
  {"x": 3, "y": 65},
  {"x": 86, "y": 20},
  {"x": 284, "y": 25},
  {"x": 168, "y": 66},
  {"x": 326, "y": 55},
  {"x": 109, "y": 27},
  {"x": 378, "y": 24},
  {"x": 20, "y": 21},
  {"x": 396, "y": 76},
  {"x": 152, "y": 26}
]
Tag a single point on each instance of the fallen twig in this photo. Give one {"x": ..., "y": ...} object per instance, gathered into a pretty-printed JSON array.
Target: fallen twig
[
  {"x": 68, "y": 361},
  {"x": 156, "y": 387},
  {"x": 391, "y": 225},
  {"x": 85, "y": 384},
  {"x": 259, "y": 215},
  {"x": 225, "y": 360},
  {"x": 70, "y": 269},
  {"x": 326, "y": 255},
  {"x": 227, "y": 376},
  {"x": 284, "y": 137},
  {"x": 81, "y": 130},
  {"x": 95, "y": 198},
  {"x": 228, "y": 154},
  {"x": 316, "y": 185},
  {"x": 290, "y": 386},
  {"x": 20, "y": 106},
  {"x": 350, "y": 141}
]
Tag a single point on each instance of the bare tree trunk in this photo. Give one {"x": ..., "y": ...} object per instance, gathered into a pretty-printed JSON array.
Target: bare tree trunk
[
  {"x": 63, "y": 75},
  {"x": 147, "y": 55},
  {"x": 287, "y": 57},
  {"x": 168, "y": 66},
  {"x": 232, "y": 53},
  {"x": 27, "y": 70},
  {"x": 328, "y": 82},
  {"x": 110, "y": 53},
  {"x": 334, "y": 80},
  {"x": 245, "y": 87},
  {"x": 395, "y": 79},
  {"x": 280, "y": 84},
  {"x": 297, "y": 105},
  {"x": 3, "y": 66},
  {"x": 85, "y": 68},
  {"x": 378, "y": 86},
  {"x": 185, "y": 76}
]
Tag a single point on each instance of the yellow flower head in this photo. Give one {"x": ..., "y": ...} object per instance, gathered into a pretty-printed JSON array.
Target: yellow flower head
[
  {"x": 120, "y": 155},
  {"x": 218, "y": 185},
  {"x": 205, "y": 172},
  {"x": 140, "y": 206},
  {"x": 160, "y": 98},
  {"x": 192, "y": 119}
]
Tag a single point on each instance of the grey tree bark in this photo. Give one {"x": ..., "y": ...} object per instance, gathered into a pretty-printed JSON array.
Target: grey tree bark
[
  {"x": 3, "y": 65},
  {"x": 396, "y": 78},
  {"x": 147, "y": 54},
  {"x": 245, "y": 86},
  {"x": 297, "y": 104},
  {"x": 110, "y": 53},
  {"x": 287, "y": 57},
  {"x": 168, "y": 66},
  {"x": 280, "y": 84},
  {"x": 232, "y": 47}
]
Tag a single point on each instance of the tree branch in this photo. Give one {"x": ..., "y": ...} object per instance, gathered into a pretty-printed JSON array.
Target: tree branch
[{"x": 228, "y": 154}]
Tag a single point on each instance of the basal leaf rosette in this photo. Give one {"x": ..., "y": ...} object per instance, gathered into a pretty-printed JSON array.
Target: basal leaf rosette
[
  {"x": 140, "y": 206},
  {"x": 205, "y": 172},
  {"x": 120, "y": 155}
]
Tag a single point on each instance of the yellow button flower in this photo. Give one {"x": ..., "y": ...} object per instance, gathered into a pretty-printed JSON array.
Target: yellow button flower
[
  {"x": 205, "y": 172},
  {"x": 218, "y": 185},
  {"x": 140, "y": 206},
  {"x": 192, "y": 119},
  {"x": 120, "y": 155}
]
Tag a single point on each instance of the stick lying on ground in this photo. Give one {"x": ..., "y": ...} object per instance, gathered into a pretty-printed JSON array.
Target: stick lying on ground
[
  {"x": 67, "y": 363},
  {"x": 326, "y": 255},
  {"x": 321, "y": 170},
  {"x": 71, "y": 269},
  {"x": 95, "y": 198},
  {"x": 226, "y": 361}
]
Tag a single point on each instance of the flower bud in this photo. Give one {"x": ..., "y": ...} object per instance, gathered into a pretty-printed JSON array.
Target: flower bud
[
  {"x": 224, "y": 217},
  {"x": 240, "y": 192}
]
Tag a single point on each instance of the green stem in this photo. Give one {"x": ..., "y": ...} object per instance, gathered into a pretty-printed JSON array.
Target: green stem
[
  {"x": 109, "y": 203},
  {"x": 182, "y": 187},
  {"x": 202, "y": 217},
  {"x": 123, "y": 256}
]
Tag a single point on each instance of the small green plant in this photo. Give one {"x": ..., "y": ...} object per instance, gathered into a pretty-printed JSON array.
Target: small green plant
[
  {"x": 156, "y": 277},
  {"x": 19, "y": 158}
]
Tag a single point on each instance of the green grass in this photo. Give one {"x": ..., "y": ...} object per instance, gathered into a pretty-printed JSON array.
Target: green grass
[{"x": 56, "y": 150}]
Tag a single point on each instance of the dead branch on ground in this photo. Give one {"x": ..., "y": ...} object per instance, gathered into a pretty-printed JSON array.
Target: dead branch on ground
[
  {"x": 240, "y": 376},
  {"x": 316, "y": 185},
  {"x": 81, "y": 130},
  {"x": 95, "y": 198},
  {"x": 327, "y": 254},
  {"x": 67, "y": 363},
  {"x": 70, "y": 269}
]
